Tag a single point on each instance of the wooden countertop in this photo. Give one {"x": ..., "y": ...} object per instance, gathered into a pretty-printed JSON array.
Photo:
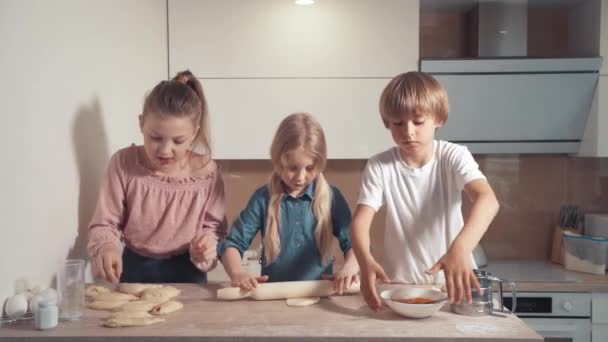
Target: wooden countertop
[{"x": 337, "y": 318}]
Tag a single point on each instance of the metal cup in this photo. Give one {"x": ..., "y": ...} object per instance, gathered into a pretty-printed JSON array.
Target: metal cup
[{"x": 483, "y": 303}]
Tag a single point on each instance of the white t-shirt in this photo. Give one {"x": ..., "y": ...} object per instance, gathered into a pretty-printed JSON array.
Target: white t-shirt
[{"x": 423, "y": 207}]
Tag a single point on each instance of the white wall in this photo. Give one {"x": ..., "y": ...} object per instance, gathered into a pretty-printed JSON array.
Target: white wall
[{"x": 74, "y": 74}]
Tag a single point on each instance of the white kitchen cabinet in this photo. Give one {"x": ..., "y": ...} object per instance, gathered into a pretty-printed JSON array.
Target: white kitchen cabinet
[
  {"x": 245, "y": 114},
  {"x": 599, "y": 317},
  {"x": 272, "y": 38},
  {"x": 260, "y": 60}
]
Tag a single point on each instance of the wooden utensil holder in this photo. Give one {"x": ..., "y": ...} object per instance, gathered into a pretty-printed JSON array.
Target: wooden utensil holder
[{"x": 557, "y": 248}]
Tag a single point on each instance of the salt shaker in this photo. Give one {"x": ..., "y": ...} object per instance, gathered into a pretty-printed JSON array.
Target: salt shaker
[{"x": 46, "y": 316}]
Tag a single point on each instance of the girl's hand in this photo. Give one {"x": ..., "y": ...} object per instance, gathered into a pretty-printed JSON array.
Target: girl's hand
[
  {"x": 203, "y": 249},
  {"x": 459, "y": 276},
  {"x": 343, "y": 279},
  {"x": 246, "y": 281},
  {"x": 108, "y": 264},
  {"x": 369, "y": 273}
]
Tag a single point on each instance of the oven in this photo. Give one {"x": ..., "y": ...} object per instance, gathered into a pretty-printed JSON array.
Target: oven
[{"x": 556, "y": 316}]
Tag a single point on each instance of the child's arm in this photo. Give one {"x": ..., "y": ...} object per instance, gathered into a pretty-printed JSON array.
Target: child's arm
[
  {"x": 104, "y": 245},
  {"x": 456, "y": 263},
  {"x": 244, "y": 229},
  {"x": 341, "y": 221},
  {"x": 238, "y": 276},
  {"x": 203, "y": 248},
  {"x": 370, "y": 269},
  {"x": 348, "y": 274}
]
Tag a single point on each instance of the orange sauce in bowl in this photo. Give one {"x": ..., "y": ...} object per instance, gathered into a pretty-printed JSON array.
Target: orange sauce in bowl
[{"x": 415, "y": 300}]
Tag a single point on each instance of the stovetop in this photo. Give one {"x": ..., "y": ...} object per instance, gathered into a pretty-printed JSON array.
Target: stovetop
[{"x": 529, "y": 271}]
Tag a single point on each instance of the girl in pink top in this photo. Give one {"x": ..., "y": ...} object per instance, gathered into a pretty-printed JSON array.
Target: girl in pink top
[{"x": 161, "y": 206}]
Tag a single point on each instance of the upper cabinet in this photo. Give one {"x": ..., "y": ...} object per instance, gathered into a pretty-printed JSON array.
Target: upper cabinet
[
  {"x": 277, "y": 38},
  {"x": 260, "y": 60}
]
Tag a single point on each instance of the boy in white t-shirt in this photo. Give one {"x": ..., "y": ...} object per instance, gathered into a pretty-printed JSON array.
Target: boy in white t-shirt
[{"x": 421, "y": 182}]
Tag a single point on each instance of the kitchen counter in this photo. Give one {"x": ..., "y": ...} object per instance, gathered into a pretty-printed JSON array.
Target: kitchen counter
[
  {"x": 535, "y": 275},
  {"x": 337, "y": 318}
]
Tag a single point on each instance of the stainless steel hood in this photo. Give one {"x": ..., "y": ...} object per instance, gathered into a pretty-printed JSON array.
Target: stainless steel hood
[{"x": 517, "y": 105}]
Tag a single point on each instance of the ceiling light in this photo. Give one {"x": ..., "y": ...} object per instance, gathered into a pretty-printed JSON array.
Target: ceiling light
[{"x": 304, "y": 2}]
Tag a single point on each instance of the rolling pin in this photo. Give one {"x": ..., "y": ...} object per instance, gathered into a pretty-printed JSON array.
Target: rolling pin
[{"x": 285, "y": 290}]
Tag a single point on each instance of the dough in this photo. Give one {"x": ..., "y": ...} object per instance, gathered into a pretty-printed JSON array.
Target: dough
[
  {"x": 166, "y": 308},
  {"x": 113, "y": 296},
  {"x": 135, "y": 288},
  {"x": 93, "y": 290},
  {"x": 303, "y": 301},
  {"x": 165, "y": 292},
  {"x": 138, "y": 305},
  {"x": 131, "y": 322},
  {"x": 108, "y": 305},
  {"x": 129, "y": 314},
  {"x": 285, "y": 290}
]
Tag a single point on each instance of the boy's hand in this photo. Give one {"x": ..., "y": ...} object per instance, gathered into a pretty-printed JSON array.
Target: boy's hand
[
  {"x": 459, "y": 277},
  {"x": 343, "y": 279},
  {"x": 369, "y": 273},
  {"x": 203, "y": 249},
  {"x": 246, "y": 281},
  {"x": 108, "y": 264}
]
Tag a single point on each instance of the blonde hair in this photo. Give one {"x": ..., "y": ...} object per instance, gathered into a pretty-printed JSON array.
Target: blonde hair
[
  {"x": 412, "y": 92},
  {"x": 180, "y": 97},
  {"x": 299, "y": 130}
]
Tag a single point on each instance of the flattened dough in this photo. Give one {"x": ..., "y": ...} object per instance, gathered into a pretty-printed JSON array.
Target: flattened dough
[
  {"x": 131, "y": 322},
  {"x": 135, "y": 288},
  {"x": 166, "y": 308},
  {"x": 113, "y": 296},
  {"x": 103, "y": 305},
  {"x": 306, "y": 301},
  {"x": 161, "y": 292},
  {"x": 129, "y": 314},
  {"x": 138, "y": 305},
  {"x": 94, "y": 290}
]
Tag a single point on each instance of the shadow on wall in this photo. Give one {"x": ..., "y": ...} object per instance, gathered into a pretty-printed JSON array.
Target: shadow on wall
[{"x": 92, "y": 156}]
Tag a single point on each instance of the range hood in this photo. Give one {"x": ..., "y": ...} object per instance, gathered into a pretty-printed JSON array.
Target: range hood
[
  {"x": 516, "y": 105},
  {"x": 499, "y": 29}
]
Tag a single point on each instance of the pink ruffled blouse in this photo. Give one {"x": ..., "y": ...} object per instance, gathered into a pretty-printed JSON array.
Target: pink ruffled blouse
[{"x": 155, "y": 216}]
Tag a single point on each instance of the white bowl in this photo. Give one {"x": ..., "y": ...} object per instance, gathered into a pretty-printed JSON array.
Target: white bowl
[{"x": 413, "y": 310}]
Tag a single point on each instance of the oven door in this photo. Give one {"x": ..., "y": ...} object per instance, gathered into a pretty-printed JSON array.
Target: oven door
[{"x": 561, "y": 329}]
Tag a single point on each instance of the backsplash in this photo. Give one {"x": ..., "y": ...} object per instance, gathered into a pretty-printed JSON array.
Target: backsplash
[{"x": 530, "y": 189}]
